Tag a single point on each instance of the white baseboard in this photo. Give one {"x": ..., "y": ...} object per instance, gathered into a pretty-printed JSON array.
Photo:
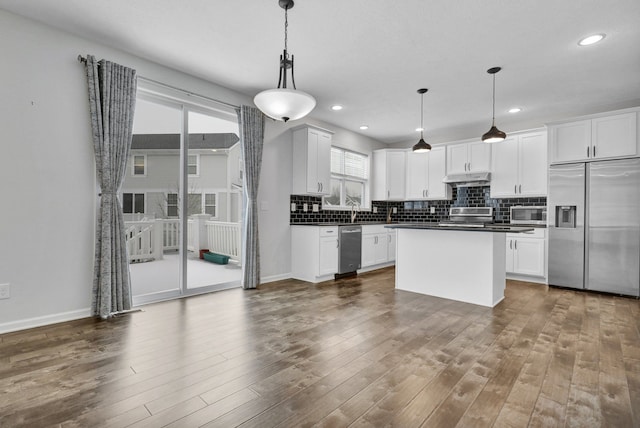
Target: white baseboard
[
  {"x": 274, "y": 278},
  {"x": 536, "y": 279},
  {"x": 44, "y": 320}
]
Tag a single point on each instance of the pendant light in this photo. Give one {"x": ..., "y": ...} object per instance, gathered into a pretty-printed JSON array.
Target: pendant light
[
  {"x": 422, "y": 146},
  {"x": 284, "y": 103},
  {"x": 494, "y": 135}
]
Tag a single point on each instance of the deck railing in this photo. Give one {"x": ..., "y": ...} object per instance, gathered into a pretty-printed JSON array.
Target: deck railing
[
  {"x": 148, "y": 239},
  {"x": 140, "y": 240},
  {"x": 224, "y": 238}
]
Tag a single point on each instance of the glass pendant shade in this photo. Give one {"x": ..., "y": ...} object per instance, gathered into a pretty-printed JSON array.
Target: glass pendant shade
[
  {"x": 284, "y": 104},
  {"x": 494, "y": 135}
]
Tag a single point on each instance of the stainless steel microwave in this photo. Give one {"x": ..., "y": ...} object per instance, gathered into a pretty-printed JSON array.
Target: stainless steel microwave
[{"x": 528, "y": 215}]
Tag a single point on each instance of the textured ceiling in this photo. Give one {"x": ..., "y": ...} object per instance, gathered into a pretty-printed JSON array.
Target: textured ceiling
[{"x": 372, "y": 55}]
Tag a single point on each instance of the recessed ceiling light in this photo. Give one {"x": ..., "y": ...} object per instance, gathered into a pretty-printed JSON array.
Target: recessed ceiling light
[
  {"x": 419, "y": 129},
  {"x": 336, "y": 107},
  {"x": 589, "y": 40},
  {"x": 515, "y": 110},
  {"x": 364, "y": 127}
]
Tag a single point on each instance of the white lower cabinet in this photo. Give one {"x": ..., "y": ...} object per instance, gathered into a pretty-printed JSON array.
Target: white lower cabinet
[
  {"x": 391, "y": 249},
  {"x": 314, "y": 252},
  {"x": 378, "y": 245},
  {"x": 526, "y": 253},
  {"x": 329, "y": 246}
]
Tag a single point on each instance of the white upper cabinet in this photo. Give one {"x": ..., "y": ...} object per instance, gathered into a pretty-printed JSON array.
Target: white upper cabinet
[
  {"x": 520, "y": 166},
  {"x": 311, "y": 160},
  {"x": 468, "y": 157},
  {"x": 601, "y": 137},
  {"x": 425, "y": 172},
  {"x": 389, "y": 174}
]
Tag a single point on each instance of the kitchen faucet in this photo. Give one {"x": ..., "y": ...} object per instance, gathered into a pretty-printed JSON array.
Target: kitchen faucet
[
  {"x": 388, "y": 215},
  {"x": 354, "y": 212}
]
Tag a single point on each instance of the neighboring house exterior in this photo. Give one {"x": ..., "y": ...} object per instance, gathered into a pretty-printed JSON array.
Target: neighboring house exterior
[{"x": 150, "y": 188}]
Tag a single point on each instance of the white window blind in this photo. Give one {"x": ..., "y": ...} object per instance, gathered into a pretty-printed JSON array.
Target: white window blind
[
  {"x": 355, "y": 165},
  {"x": 348, "y": 163}
]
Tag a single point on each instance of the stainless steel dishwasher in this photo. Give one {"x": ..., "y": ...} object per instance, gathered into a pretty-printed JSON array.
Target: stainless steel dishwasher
[{"x": 350, "y": 249}]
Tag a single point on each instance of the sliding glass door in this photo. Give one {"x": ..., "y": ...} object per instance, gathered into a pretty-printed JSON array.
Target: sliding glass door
[{"x": 182, "y": 235}]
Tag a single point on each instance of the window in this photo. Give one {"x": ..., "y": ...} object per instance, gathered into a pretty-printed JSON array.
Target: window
[
  {"x": 139, "y": 165},
  {"x": 349, "y": 179},
  {"x": 172, "y": 205},
  {"x": 210, "y": 204},
  {"x": 132, "y": 203},
  {"x": 193, "y": 164}
]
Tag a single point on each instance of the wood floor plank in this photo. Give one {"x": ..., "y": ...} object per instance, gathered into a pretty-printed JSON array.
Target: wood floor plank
[{"x": 352, "y": 352}]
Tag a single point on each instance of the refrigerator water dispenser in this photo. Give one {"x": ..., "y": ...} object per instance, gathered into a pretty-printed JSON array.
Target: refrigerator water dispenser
[{"x": 566, "y": 216}]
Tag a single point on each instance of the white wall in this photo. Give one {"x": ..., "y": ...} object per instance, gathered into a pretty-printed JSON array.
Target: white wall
[{"x": 47, "y": 173}]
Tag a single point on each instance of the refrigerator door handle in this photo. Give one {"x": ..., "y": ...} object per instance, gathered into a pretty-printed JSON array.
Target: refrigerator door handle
[
  {"x": 587, "y": 151},
  {"x": 594, "y": 151}
]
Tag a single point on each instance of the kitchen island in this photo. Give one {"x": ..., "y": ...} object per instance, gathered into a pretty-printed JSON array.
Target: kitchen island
[{"x": 458, "y": 263}]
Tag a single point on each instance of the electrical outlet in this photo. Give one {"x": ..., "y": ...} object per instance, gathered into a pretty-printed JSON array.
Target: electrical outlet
[
  {"x": 293, "y": 207},
  {"x": 432, "y": 210},
  {"x": 315, "y": 208},
  {"x": 375, "y": 210},
  {"x": 395, "y": 210},
  {"x": 5, "y": 291},
  {"x": 305, "y": 207}
]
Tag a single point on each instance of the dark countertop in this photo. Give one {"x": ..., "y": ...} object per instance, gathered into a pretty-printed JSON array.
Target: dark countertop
[
  {"x": 435, "y": 226},
  {"x": 395, "y": 225},
  {"x": 357, "y": 223}
]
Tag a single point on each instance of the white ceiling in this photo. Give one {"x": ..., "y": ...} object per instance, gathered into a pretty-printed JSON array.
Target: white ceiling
[{"x": 372, "y": 55}]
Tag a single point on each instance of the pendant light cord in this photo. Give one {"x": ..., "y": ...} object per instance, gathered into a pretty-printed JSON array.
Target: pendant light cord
[
  {"x": 422, "y": 116},
  {"x": 286, "y": 27},
  {"x": 493, "y": 115}
]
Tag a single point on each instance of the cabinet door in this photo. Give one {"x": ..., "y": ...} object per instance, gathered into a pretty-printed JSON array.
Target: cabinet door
[
  {"x": 323, "y": 160},
  {"x": 391, "y": 246},
  {"x": 614, "y": 136},
  {"x": 529, "y": 256},
  {"x": 381, "y": 248},
  {"x": 479, "y": 157},
  {"x": 417, "y": 174},
  {"x": 532, "y": 163},
  {"x": 437, "y": 170},
  {"x": 395, "y": 175},
  {"x": 328, "y": 255},
  {"x": 457, "y": 159},
  {"x": 504, "y": 177},
  {"x": 313, "y": 185},
  {"x": 571, "y": 141},
  {"x": 368, "y": 250},
  {"x": 510, "y": 254}
]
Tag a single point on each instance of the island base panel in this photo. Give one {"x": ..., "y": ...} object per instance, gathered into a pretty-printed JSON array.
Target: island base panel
[{"x": 459, "y": 265}]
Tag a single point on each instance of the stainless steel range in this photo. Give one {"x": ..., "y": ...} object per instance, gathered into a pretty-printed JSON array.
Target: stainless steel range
[{"x": 469, "y": 217}]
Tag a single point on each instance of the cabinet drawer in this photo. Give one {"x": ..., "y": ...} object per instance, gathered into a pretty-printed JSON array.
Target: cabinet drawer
[
  {"x": 329, "y": 231},
  {"x": 538, "y": 232},
  {"x": 374, "y": 228}
]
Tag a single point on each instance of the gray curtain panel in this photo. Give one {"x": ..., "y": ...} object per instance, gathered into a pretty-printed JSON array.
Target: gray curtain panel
[
  {"x": 251, "y": 140},
  {"x": 112, "y": 99}
]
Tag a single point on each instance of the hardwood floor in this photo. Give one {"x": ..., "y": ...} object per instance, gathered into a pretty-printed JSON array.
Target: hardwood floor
[{"x": 351, "y": 352}]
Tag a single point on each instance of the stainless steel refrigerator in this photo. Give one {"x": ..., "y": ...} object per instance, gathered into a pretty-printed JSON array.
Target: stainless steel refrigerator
[{"x": 594, "y": 226}]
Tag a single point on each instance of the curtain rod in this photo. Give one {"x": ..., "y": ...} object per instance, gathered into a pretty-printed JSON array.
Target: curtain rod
[{"x": 189, "y": 93}]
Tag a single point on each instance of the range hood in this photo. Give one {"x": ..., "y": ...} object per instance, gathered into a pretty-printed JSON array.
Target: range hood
[{"x": 468, "y": 179}]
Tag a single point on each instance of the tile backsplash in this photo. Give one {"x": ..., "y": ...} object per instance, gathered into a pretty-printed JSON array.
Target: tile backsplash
[{"x": 411, "y": 211}]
